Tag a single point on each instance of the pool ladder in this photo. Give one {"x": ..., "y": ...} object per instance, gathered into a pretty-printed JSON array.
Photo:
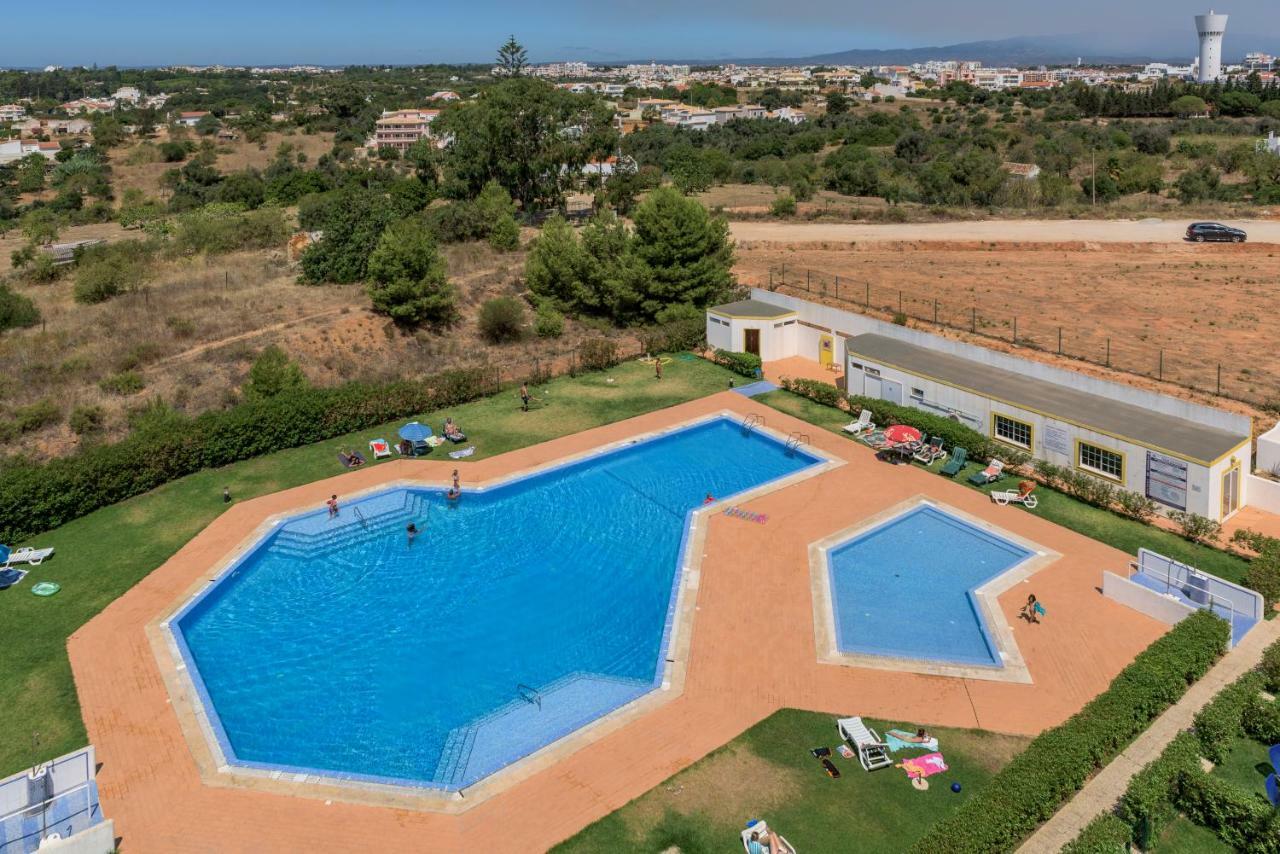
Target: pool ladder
[
  {"x": 530, "y": 695},
  {"x": 795, "y": 440},
  {"x": 364, "y": 523},
  {"x": 752, "y": 421}
]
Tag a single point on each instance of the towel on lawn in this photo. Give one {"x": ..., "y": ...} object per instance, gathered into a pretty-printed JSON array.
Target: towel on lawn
[
  {"x": 895, "y": 743},
  {"x": 465, "y": 452},
  {"x": 919, "y": 767}
]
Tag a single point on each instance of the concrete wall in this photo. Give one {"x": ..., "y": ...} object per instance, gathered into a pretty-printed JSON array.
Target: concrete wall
[
  {"x": 849, "y": 323},
  {"x": 1262, "y": 493},
  {"x": 1143, "y": 600},
  {"x": 99, "y": 839},
  {"x": 1268, "y": 457}
]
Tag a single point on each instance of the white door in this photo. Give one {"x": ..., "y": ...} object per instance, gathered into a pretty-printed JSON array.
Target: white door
[
  {"x": 891, "y": 390},
  {"x": 872, "y": 386}
]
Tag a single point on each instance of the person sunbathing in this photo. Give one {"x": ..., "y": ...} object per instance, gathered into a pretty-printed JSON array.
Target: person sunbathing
[
  {"x": 921, "y": 737},
  {"x": 770, "y": 843},
  {"x": 452, "y": 432}
]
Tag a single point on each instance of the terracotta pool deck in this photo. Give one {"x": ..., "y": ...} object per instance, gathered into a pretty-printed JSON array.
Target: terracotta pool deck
[{"x": 753, "y": 651}]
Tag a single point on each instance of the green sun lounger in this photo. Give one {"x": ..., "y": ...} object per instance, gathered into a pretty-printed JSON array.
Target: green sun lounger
[{"x": 958, "y": 458}]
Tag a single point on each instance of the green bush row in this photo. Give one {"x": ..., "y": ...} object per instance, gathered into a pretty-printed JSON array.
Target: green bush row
[
  {"x": 1058, "y": 762},
  {"x": 1218, "y": 723},
  {"x": 1239, "y": 818},
  {"x": 1147, "y": 805},
  {"x": 1106, "y": 834},
  {"x": 815, "y": 390},
  {"x": 746, "y": 364},
  {"x": 39, "y": 497}
]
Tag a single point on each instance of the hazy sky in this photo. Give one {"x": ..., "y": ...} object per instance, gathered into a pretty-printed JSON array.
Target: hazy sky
[{"x": 151, "y": 32}]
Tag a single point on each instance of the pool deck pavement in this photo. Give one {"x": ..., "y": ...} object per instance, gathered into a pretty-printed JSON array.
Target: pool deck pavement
[{"x": 752, "y": 652}]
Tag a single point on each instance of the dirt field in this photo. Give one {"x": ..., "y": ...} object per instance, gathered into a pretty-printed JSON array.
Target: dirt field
[
  {"x": 1021, "y": 231},
  {"x": 1203, "y": 306},
  {"x": 193, "y": 332}
]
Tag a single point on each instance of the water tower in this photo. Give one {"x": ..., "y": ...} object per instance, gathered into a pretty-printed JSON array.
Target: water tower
[{"x": 1211, "y": 28}]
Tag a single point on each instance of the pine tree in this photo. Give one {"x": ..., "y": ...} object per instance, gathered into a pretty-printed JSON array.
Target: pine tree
[{"x": 512, "y": 58}]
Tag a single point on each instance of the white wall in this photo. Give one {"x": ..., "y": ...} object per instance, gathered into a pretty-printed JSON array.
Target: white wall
[
  {"x": 849, "y": 323},
  {"x": 777, "y": 335},
  {"x": 1262, "y": 493},
  {"x": 1268, "y": 458},
  {"x": 99, "y": 839},
  {"x": 719, "y": 333},
  {"x": 1144, "y": 600}
]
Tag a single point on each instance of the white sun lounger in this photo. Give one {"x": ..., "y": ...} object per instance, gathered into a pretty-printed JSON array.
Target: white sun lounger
[
  {"x": 862, "y": 425},
  {"x": 1012, "y": 496},
  {"x": 873, "y": 753},
  {"x": 26, "y": 554},
  {"x": 763, "y": 829}
]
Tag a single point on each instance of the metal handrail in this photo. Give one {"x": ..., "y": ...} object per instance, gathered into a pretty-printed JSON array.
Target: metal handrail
[
  {"x": 45, "y": 804},
  {"x": 1170, "y": 581},
  {"x": 364, "y": 523},
  {"x": 525, "y": 691},
  {"x": 752, "y": 420}
]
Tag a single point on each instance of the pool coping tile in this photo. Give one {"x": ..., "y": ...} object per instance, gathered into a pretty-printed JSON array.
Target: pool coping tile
[
  {"x": 1014, "y": 667},
  {"x": 211, "y": 747}
]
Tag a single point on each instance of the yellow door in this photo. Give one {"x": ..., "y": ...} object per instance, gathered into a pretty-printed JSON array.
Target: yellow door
[{"x": 826, "y": 351}]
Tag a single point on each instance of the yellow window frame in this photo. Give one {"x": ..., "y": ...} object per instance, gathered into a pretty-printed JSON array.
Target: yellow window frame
[
  {"x": 1124, "y": 461},
  {"x": 1031, "y": 432}
]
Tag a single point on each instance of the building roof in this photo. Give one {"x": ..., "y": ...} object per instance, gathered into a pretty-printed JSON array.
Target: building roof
[
  {"x": 1138, "y": 424},
  {"x": 751, "y": 308}
]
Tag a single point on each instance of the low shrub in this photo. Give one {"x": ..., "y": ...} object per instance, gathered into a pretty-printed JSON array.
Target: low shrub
[
  {"x": 1135, "y": 505},
  {"x": 815, "y": 390},
  {"x": 783, "y": 206},
  {"x": 125, "y": 382},
  {"x": 87, "y": 420},
  {"x": 33, "y": 416},
  {"x": 504, "y": 235},
  {"x": 598, "y": 354},
  {"x": 746, "y": 364},
  {"x": 674, "y": 336},
  {"x": 221, "y": 227},
  {"x": 502, "y": 320},
  {"x": 548, "y": 323},
  {"x": 457, "y": 222},
  {"x": 1261, "y": 720},
  {"x": 1195, "y": 527},
  {"x": 953, "y": 433},
  {"x": 1106, "y": 834},
  {"x": 16, "y": 310},
  {"x": 1270, "y": 668},
  {"x": 1240, "y": 819},
  {"x": 1218, "y": 723},
  {"x": 1147, "y": 805},
  {"x": 39, "y": 497},
  {"x": 1059, "y": 761},
  {"x": 1263, "y": 574},
  {"x": 105, "y": 271}
]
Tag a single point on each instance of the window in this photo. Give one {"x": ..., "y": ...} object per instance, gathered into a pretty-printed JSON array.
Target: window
[
  {"x": 872, "y": 372},
  {"x": 917, "y": 393},
  {"x": 1100, "y": 460},
  {"x": 1011, "y": 431},
  {"x": 855, "y": 366}
]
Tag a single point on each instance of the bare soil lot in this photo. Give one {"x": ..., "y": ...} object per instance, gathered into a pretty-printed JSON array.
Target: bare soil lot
[
  {"x": 194, "y": 330},
  {"x": 1020, "y": 231},
  {"x": 1123, "y": 303}
]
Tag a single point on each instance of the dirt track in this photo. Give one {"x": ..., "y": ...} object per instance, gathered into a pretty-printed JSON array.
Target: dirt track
[{"x": 1018, "y": 231}]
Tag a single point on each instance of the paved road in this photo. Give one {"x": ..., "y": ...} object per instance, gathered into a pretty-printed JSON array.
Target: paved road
[{"x": 1018, "y": 231}]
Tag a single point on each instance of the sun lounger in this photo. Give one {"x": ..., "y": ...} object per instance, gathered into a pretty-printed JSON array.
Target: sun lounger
[
  {"x": 380, "y": 448},
  {"x": 955, "y": 465},
  {"x": 873, "y": 753},
  {"x": 759, "y": 826},
  {"x": 457, "y": 437},
  {"x": 993, "y": 472},
  {"x": 26, "y": 554},
  {"x": 862, "y": 425},
  {"x": 1023, "y": 495},
  {"x": 930, "y": 453}
]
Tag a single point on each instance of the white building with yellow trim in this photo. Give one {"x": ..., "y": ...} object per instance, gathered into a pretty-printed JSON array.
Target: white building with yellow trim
[{"x": 1183, "y": 455}]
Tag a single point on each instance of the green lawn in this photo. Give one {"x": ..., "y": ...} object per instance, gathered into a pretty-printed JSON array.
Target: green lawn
[
  {"x": 1183, "y": 836},
  {"x": 767, "y": 772},
  {"x": 102, "y": 555},
  {"x": 1246, "y": 765},
  {"x": 1104, "y": 526}
]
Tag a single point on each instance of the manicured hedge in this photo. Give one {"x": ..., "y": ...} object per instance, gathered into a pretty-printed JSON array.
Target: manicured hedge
[
  {"x": 1057, "y": 763},
  {"x": 1147, "y": 805},
  {"x": 35, "y": 498},
  {"x": 1218, "y": 723},
  {"x": 1106, "y": 834},
  {"x": 747, "y": 364},
  {"x": 815, "y": 390},
  {"x": 1240, "y": 819}
]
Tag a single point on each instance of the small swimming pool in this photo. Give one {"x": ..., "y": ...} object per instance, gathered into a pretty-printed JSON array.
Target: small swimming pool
[
  {"x": 905, "y": 588},
  {"x": 520, "y": 613}
]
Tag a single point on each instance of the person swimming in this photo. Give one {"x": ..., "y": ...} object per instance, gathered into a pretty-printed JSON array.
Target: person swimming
[{"x": 411, "y": 531}]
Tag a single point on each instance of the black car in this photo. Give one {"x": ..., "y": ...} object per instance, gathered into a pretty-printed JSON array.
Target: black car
[{"x": 1200, "y": 232}]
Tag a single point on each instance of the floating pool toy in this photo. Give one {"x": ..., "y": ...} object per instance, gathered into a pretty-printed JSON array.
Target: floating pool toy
[{"x": 45, "y": 588}]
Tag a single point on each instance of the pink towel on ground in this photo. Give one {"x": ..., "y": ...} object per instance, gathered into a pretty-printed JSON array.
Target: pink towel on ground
[{"x": 924, "y": 766}]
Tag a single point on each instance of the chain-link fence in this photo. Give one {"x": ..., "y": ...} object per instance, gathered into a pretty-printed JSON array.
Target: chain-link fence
[{"x": 1182, "y": 361}]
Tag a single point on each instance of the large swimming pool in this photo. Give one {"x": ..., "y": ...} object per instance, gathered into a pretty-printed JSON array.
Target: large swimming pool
[
  {"x": 518, "y": 615},
  {"x": 905, "y": 588}
]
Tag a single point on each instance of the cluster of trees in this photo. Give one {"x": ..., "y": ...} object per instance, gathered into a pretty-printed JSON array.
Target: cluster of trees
[{"x": 674, "y": 262}]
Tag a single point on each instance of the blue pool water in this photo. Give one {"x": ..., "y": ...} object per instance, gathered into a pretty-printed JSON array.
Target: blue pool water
[
  {"x": 905, "y": 588},
  {"x": 519, "y": 614}
]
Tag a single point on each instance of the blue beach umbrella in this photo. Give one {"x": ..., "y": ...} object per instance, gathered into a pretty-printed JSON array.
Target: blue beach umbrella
[{"x": 415, "y": 431}]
